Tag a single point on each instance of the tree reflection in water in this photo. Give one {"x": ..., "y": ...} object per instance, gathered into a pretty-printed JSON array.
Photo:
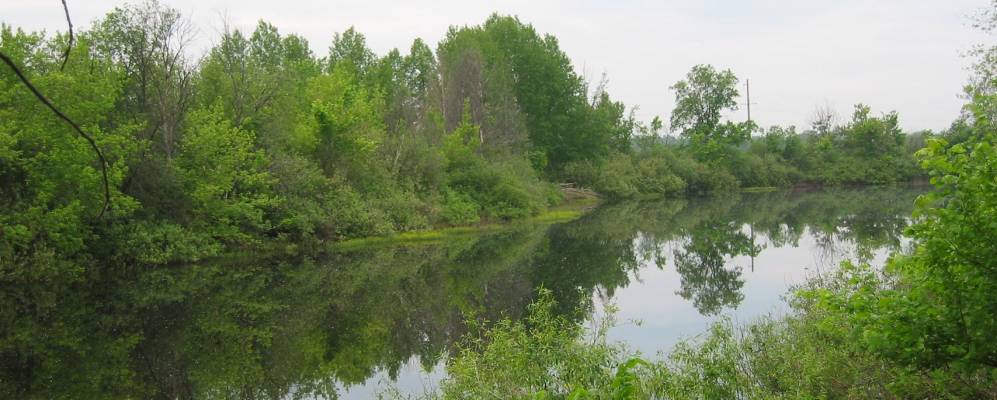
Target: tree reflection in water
[
  {"x": 707, "y": 280},
  {"x": 297, "y": 326}
]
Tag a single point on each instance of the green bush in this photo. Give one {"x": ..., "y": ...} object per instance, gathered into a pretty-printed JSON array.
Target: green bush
[
  {"x": 625, "y": 176},
  {"x": 584, "y": 173},
  {"x": 702, "y": 179},
  {"x": 654, "y": 176},
  {"x": 765, "y": 170},
  {"x": 353, "y": 218},
  {"x": 543, "y": 357},
  {"x": 404, "y": 209},
  {"x": 505, "y": 190},
  {"x": 459, "y": 209},
  {"x": 306, "y": 195}
]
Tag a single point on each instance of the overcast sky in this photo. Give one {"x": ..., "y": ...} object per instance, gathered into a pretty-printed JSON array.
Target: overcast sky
[{"x": 903, "y": 55}]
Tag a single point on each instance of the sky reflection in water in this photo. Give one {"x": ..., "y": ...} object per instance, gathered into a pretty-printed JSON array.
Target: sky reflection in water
[{"x": 352, "y": 322}]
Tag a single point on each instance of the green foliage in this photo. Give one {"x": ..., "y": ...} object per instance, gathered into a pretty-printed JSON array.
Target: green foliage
[
  {"x": 349, "y": 52},
  {"x": 528, "y": 73},
  {"x": 711, "y": 368},
  {"x": 700, "y": 99},
  {"x": 952, "y": 295},
  {"x": 933, "y": 310},
  {"x": 766, "y": 170},
  {"x": 226, "y": 179},
  {"x": 867, "y": 150},
  {"x": 345, "y": 122},
  {"x": 50, "y": 181},
  {"x": 502, "y": 189},
  {"x": 544, "y": 357},
  {"x": 614, "y": 177},
  {"x": 920, "y": 328},
  {"x": 459, "y": 209},
  {"x": 262, "y": 139},
  {"x": 656, "y": 170},
  {"x": 655, "y": 175}
]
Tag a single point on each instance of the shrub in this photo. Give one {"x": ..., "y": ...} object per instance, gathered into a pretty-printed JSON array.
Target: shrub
[
  {"x": 544, "y": 357},
  {"x": 405, "y": 211},
  {"x": 655, "y": 177},
  {"x": 754, "y": 170},
  {"x": 459, "y": 209},
  {"x": 701, "y": 178},
  {"x": 352, "y": 218},
  {"x": 506, "y": 189}
]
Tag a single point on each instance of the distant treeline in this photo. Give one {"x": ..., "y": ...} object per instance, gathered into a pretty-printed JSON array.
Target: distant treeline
[{"x": 261, "y": 138}]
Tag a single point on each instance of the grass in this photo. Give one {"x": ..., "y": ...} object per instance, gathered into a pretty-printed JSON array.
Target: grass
[
  {"x": 567, "y": 211},
  {"x": 759, "y": 189}
]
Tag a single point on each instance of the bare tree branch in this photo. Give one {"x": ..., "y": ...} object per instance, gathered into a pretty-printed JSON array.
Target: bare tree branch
[
  {"x": 103, "y": 162},
  {"x": 69, "y": 46}
]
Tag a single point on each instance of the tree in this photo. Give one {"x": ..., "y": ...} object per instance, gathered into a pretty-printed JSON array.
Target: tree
[
  {"x": 51, "y": 189},
  {"x": 349, "y": 50},
  {"x": 251, "y": 76},
  {"x": 147, "y": 42},
  {"x": 515, "y": 77},
  {"x": 419, "y": 68},
  {"x": 345, "y": 125},
  {"x": 823, "y": 120},
  {"x": 871, "y": 137},
  {"x": 226, "y": 179},
  {"x": 702, "y": 265},
  {"x": 700, "y": 101}
]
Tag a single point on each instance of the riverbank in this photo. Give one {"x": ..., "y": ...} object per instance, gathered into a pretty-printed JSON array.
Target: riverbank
[
  {"x": 577, "y": 202},
  {"x": 914, "y": 329},
  {"x": 570, "y": 209}
]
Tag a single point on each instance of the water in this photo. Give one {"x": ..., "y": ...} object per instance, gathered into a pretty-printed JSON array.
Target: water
[{"x": 352, "y": 323}]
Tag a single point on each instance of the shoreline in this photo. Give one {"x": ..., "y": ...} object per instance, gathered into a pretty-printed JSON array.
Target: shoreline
[{"x": 568, "y": 210}]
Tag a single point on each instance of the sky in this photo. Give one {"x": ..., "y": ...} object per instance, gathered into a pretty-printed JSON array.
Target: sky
[{"x": 902, "y": 55}]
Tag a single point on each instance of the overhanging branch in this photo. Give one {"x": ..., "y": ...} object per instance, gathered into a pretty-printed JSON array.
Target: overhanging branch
[{"x": 103, "y": 162}]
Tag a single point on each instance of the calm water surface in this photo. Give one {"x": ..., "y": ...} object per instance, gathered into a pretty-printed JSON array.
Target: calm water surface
[{"x": 352, "y": 323}]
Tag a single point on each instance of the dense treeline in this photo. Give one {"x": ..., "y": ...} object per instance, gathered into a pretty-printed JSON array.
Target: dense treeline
[
  {"x": 713, "y": 155},
  {"x": 261, "y": 138}
]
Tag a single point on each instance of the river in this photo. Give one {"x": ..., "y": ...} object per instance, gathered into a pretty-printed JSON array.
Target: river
[{"x": 352, "y": 323}]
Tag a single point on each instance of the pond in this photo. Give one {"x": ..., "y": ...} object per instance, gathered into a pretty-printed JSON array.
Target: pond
[{"x": 354, "y": 322}]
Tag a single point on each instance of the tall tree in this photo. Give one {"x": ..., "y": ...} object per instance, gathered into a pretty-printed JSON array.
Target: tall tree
[
  {"x": 700, "y": 101},
  {"x": 149, "y": 41},
  {"x": 515, "y": 77},
  {"x": 349, "y": 50}
]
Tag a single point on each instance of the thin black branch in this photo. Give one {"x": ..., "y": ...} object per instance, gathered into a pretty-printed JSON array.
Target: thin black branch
[
  {"x": 69, "y": 46},
  {"x": 103, "y": 162}
]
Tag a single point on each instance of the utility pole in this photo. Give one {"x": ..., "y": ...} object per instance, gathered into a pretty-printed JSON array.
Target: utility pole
[
  {"x": 747, "y": 89},
  {"x": 752, "y": 226},
  {"x": 747, "y": 92}
]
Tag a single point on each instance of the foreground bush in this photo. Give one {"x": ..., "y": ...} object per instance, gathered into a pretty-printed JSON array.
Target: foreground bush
[{"x": 545, "y": 356}]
